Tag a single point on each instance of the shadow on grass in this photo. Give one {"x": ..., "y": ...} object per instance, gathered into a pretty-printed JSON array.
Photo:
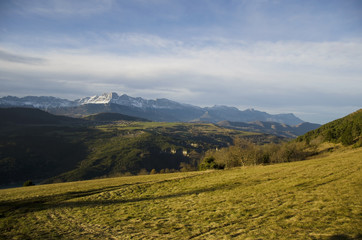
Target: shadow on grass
[
  {"x": 345, "y": 237},
  {"x": 8, "y": 208},
  {"x": 13, "y": 208}
]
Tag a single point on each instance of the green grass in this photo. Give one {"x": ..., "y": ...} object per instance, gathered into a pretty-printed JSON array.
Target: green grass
[{"x": 314, "y": 199}]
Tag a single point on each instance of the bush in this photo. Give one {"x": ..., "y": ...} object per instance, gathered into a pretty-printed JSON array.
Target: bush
[
  {"x": 209, "y": 163},
  {"x": 143, "y": 171},
  {"x": 290, "y": 152},
  {"x": 186, "y": 167},
  {"x": 28, "y": 183}
]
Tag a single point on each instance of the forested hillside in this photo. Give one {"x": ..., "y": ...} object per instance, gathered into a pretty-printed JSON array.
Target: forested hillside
[
  {"x": 346, "y": 130},
  {"x": 46, "y": 148}
]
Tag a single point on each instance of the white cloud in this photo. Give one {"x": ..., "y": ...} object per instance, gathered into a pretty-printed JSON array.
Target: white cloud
[{"x": 268, "y": 74}]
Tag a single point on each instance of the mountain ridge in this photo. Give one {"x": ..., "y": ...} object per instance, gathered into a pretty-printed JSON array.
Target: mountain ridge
[
  {"x": 155, "y": 110},
  {"x": 275, "y": 128},
  {"x": 346, "y": 130}
]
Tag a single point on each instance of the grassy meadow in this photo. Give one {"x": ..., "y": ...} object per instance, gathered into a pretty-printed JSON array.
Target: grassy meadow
[{"x": 320, "y": 198}]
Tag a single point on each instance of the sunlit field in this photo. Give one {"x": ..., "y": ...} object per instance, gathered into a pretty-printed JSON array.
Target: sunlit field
[{"x": 319, "y": 198}]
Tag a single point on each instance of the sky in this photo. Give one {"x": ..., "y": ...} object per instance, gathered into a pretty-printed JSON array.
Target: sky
[{"x": 279, "y": 56}]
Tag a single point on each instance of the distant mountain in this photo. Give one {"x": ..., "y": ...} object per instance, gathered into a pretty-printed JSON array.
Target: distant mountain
[
  {"x": 36, "y": 102},
  {"x": 346, "y": 130},
  {"x": 159, "y": 115},
  {"x": 126, "y": 100},
  {"x": 155, "y": 110},
  {"x": 221, "y": 113},
  {"x": 274, "y": 128}
]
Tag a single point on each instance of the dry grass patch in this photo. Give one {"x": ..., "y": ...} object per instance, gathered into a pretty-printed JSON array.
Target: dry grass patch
[{"x": 314, "y": 199}]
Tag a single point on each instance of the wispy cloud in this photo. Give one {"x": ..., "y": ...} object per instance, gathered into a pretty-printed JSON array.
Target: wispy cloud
[
  {"x": 18, "y": 58},
  {"x": 64, "y": 8}
]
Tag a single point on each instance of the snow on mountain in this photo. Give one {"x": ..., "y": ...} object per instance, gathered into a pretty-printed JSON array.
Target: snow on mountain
[
  {"x": 126, "y": 100},
  {"x": 98, "y": 99},
  {"x": 105, "y": 98},
  {"x": 159, "y": 109}
]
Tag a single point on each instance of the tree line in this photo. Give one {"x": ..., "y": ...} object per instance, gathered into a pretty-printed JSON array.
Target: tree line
[{"x": 243, "y": 153}]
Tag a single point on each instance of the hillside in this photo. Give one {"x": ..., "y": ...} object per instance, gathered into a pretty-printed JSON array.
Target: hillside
[
  {"x": 49, "y": 150},
  {"x": 25, "y": 116},
  {"x": 346, "y": 130},
  {"x": 313, "y": 199},
  {"x": 126, "y": 149},
  {"x": 113, "y": 117}
]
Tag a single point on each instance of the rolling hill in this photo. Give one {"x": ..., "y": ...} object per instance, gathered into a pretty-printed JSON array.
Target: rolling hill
[
  {"x": 318, "y": 198},
  {"x": 27, "y": 116},
  {"x": 113, "y": 117},
  {"x": 346, "y": 130},
  {"x": 47, "y": 148},
  {"x": 313, "y": 199}
]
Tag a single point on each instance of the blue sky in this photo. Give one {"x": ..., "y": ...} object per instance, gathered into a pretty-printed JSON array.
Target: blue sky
[{"x": 279, "y": 56}]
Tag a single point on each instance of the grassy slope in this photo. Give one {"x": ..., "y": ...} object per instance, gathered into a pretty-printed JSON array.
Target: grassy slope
[
  {"x": 313, "y": 199},
  {"x": 120, "y": 148}
]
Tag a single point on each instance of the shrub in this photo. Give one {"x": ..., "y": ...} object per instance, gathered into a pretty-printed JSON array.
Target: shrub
[
  {"x": 143, "y": 171},
  {"x": 209, "y": 163},
  {"x": 246, "y": 153},
  {"x": 28, "y": 183},
  {"x": 186, "y": 167},
  {"x": 289, "y": 152}
]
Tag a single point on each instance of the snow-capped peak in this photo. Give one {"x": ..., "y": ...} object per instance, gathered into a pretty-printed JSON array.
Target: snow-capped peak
[
  {"x": 99, "y": 99},
  {"x": 126, "y": 100}
]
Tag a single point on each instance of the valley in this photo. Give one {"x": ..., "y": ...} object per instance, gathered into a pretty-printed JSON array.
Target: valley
[
  {"x": 185, "y": 120},
  {"x": 158, "y": 180},
  {"x": 45, "y": 148}
]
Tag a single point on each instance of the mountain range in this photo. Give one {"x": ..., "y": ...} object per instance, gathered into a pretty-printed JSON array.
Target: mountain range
[
  {"x": 155, "y": 110},
  {"x": 274, "y": 128}
]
